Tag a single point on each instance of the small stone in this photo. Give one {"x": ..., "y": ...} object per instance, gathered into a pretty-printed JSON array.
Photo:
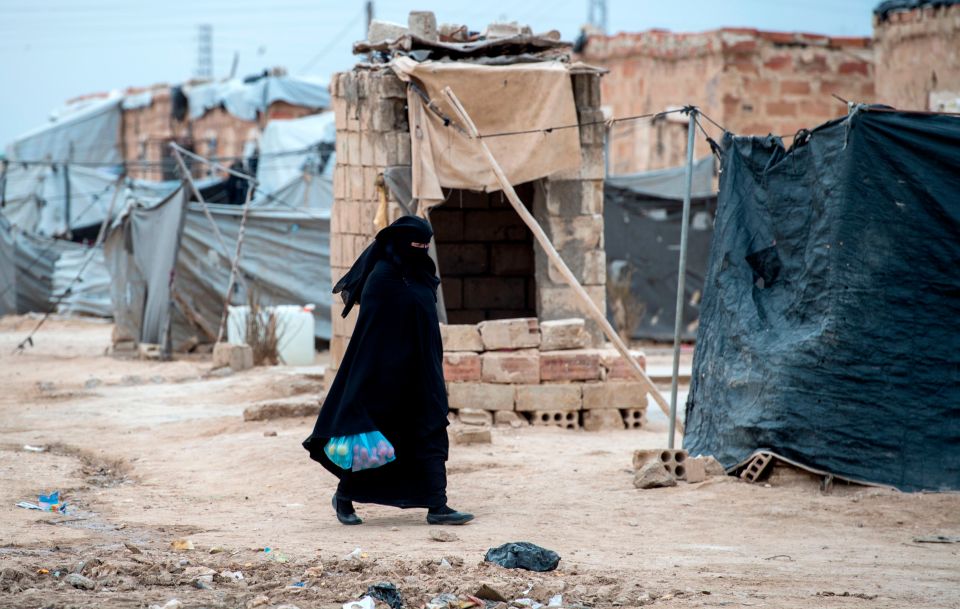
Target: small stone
[
  {"x": 237, "y": 357},
  {"x": 653, "y": 475},
  {"x": 713, "y": 467},
  {"x": 270, "y": 434},
  {"x": 258, "y": 601},
  {"x": 46, "y": 386},
  {"x": 474, "y": 416},
  {"x": 131, "y": 380},
  {"x": 181, "y": 545},
  {"x": 132, "y": 548},
  {"x": 216, "y": 550},
  {"x": 474, "y": 435},
  {"x": 220, "y": 372},
  {"x": 92, "y": 383},
  {"x": 314, "y": 571},
  {"x": 80, "y": 582},
  {"x": 444, "y": 536},
  {"x": 508, "y": 417}
]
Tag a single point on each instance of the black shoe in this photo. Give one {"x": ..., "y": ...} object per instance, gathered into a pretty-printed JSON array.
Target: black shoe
[
  {"x": 446, "y": 515},
  {"x": 345, "y": 513}
]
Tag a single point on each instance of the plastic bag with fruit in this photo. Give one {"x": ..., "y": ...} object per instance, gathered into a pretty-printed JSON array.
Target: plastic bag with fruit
[{"x": 360, "y": 451}]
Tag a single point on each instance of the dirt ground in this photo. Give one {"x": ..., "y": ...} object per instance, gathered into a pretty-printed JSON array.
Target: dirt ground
[{"x": 149, "y": 452}]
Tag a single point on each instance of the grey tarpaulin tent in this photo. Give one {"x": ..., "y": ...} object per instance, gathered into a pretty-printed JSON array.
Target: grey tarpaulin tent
[
  {"x": 641, "y": 219},
  {"x": 8, "y": 270},
  {"x": 829, "y": 329}
]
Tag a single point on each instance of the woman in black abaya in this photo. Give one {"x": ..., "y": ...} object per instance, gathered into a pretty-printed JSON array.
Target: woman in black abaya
[{"x": 391, "y": 379}]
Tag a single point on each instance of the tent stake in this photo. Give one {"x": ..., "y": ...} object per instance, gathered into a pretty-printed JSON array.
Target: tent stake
[
  {"x": 591, "y": 307},
  {"x": 681, "y": 277}
]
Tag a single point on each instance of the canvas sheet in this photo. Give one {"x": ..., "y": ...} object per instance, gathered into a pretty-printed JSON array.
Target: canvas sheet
[{"x": 499, "y": 99}]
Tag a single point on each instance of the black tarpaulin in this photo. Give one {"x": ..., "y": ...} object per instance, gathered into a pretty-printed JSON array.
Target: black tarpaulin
[{"x": 830, "y": 326}]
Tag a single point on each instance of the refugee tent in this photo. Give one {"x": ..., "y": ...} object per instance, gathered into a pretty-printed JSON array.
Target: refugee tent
[
  {"x": 288, "y": 147},
  {"x": 81, "y": 132},
  {"x": 641, "y": 230},
  {"x": 8, "y": 270},
  {"x": 828, "y": 332}
]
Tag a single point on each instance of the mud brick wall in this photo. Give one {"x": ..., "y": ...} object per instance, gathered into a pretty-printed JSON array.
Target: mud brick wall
[
  {"x": 751, "y": 82},
  {"x": 489, "y": 266},
  {"x": 918, "y": 58}
]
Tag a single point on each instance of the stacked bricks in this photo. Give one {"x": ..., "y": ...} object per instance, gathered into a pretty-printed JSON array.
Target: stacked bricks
[
  {"x": 544, "y": 372},
  {"x": 751, "y": 82},
  {"x": 569, "y": 207},
  {"x": 918, "y": 63},
  {"x": 486, "y": 256},
  {"x": 372, "y": 134},
  {"x": 672, "y": 459}
]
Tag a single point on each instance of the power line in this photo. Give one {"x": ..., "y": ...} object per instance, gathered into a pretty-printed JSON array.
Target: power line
[{"x": 335, "y": 40}]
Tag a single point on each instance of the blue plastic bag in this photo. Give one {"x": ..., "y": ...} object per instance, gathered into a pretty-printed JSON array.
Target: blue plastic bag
[{"x": 359, "y": 452}]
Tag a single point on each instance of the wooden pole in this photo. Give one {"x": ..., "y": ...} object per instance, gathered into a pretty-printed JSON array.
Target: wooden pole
[
  {"x": 235, "y": 266},
  {"x": 591, "y": 307}
]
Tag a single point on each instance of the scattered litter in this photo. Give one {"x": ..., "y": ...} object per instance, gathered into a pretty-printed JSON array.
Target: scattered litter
[
  {"x": 202, "y": 585},
  {"x": 387, "y": 593},
  {"x": 92, "y": 383},
  {"x": 444, "y": 601},
  {"x": 42, "y": 571},
  {"x": 938, "y": 539},
  {"x": 181, "y": 545},
  {"x": 445, "y": 564},
  {"x": 527, "y": 602},
  {"x": 555, "y": 601},
  {"x": 357, "y": 554},
  {"x": 489, "y": 593},
  {"x": 170, "y": 604},
  {"x": 523, "y": 555},
  {"x": 216, "y": 549},
  {"x": 233, "y": 576},
  {"x": 34, "y": 449},
  {"x": 80, "y": 582},
  {"x": 441, "y": 535},
  {"x": 364, "y": 603},
  {"x": 316, "y": 571},
  {"x": 298, "y": 585},
  {"x": 132, "y": 548},
  {"x": 46, "y": 503},
  {"x": 274, "y": 555},
  {"x": 866, "y": 597},
  {"x": 258, "y": 601}
]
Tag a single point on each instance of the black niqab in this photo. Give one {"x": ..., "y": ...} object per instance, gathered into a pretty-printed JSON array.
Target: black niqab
[{"x": 391, "y": 376}]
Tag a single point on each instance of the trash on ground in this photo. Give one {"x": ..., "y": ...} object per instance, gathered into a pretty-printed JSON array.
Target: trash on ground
[
  {"x": 34, "y": 449},
  {"x": 170, "y": 604},
  {"x": 527, "y": 602},
  {"x": 387, "y": 593},
  {"x": 523, "y": 555},
  {"x": 489, "y": 593},
  {"x": 938, "y": 539},
  {"x": 80, "y": 582},
  {"x": 46, "y": 503},
  {"x": 181, "y": 545},
  {"x": 364, "y": 603},
  {"x": 555, "y": 601},
  {"x": 357, "y": 554}
]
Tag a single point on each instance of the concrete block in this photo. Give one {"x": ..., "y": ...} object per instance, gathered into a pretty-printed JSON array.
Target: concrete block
[
  {"x": 572, "y": 365},
  {"x": 696, "y": 470},
  {"x": 602, "y": 420},
  {"x": 472, "y": 416},
  {"x": 515, "y": 367},
  {"x": 471, "y": 435},
  {"x": 560, "y": 396},
  {"x": 757, "y": 467},
  {"x": 461, "y": 366},
  {"x": 616, "y": 367},
  {"x": 584, "y": 232},
  {"x": 480, "y": 396},
  {"x": 589, "y": 267},
  {"x": 672, "y": 458},
  {"x": 619, "y": 396},
  {"x": 510, "y": 333},
  {"x": 460, "y": 337},
  {"x": 379, "y": 31},
  {"x": 567, "y": 419},
  {"x": 634, "y": 418},
  {"x": 423, "y": 24},
  {"x": 508, "y": 418},
  {"x": 267, "y": 410},
  {"x": 560, "y": 334},
  {"x": 235, "y": 357}
]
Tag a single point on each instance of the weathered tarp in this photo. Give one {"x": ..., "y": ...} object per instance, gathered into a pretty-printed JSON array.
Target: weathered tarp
[
  {"x": 282, "y": 149},
  {"x": 82, "y": 132},
  {"x": 81, "y": 283},
  {"x": 8, "y": 269},
  {"x": 828, "y": 332},
  {"x": 641, "y": 236},
  {"x": 35, "y": 257},
  {"x": 246, "y": 100},
  {"x": 499, "y": 99},
  {"x": 670, "y": 183}
]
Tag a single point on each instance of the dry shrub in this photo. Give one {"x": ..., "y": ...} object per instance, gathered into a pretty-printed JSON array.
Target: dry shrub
[{"x": 263, "y": 332}]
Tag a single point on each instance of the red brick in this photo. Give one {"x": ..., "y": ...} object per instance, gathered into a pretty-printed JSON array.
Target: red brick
[
  {"x": 780, "y": 108},
  {"x": 461, "y": 366},
  {"x": 617, "y": 368},
  {"x": 513, "y": 367},
  {"x": 572, "y": 365},
  {"x": 778, "y": 62},
  {"x": 520, "y": 333},
  {"x": 818, "y": 63},
  {"x": 854, "y": 67},
  {"x": 755, "y": 87},
  {"x": 795, "y": 87}
]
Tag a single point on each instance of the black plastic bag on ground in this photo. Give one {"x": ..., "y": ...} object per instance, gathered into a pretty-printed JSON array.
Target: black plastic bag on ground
[
  {"x": 387, "y": 593},
  {"x": 523, "y": 555}
]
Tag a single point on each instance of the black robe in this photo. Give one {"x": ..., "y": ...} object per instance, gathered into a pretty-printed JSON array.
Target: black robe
[{"x": 391, "y": 378}]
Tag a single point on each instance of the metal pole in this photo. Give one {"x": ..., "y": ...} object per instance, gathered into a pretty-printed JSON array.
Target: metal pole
[
  {"x": 235, "y": 266},
  {"x": 681, "y": 277}
]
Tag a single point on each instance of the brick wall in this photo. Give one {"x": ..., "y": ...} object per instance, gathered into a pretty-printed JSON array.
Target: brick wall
[
  {"x": 918, "y": 58},
  {"x": 752, "y": 82}
]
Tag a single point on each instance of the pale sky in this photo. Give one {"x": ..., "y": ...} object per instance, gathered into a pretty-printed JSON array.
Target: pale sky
[{"x": 53, "y": 50}]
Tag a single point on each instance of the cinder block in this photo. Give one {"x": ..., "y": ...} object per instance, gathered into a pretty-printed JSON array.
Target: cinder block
[
  {"x": 616, "y": 367},
  {"x": 461, "y": 366},
  {"x": 472, "y": 416},
  {"x": 568, "y": 419},
  {"x": 515, "y": 367},
  {"x": 531, "y": 398},
  {"x": 480, "y": 396},
  {"x": 472, "y": 435},
  {"x": 672, "y": 458},
  {"x": 560, "y": 334},
  {"x": 620, "y": 396},
  {"x": 572, "y": 365},
  {"x": 510, "y": 333},
  {"x": 460, "y": 337},
  {"x": 236, "y": 357},
  {"x": 513, "y": 419},
  {"x": 696, "y": 470},
  {"x": 634, "y": 418},
  {"x": 602, "y": 420},
  {"x": 757, "y": 467}
]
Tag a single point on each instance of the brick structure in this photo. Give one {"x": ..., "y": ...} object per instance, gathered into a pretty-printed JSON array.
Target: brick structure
[
  {"x": 488, "y": 263},
  {"x": 918, "y": 58},
  {"x": 751, "y": 82}
]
